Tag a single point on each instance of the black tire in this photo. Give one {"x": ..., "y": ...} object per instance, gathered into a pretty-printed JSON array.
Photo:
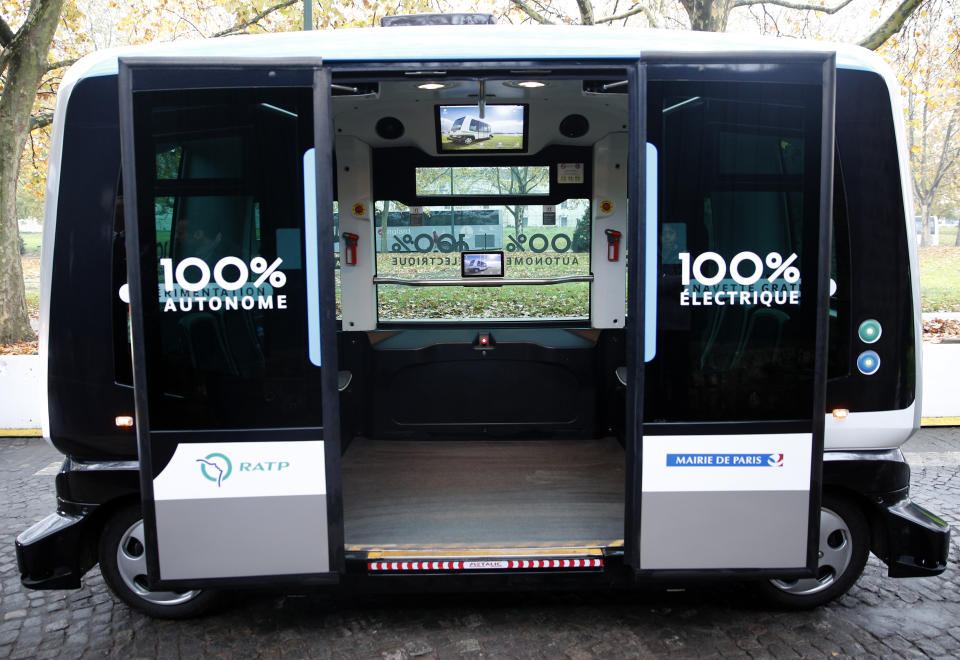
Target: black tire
[
  {"x": 844, "y": 547},
  {"x": 468, "y": 140},
  {"x": 128, "y": 584}
]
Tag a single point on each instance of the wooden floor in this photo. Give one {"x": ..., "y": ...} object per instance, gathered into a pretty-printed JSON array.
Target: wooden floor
[{"x": 483, "y": 494}]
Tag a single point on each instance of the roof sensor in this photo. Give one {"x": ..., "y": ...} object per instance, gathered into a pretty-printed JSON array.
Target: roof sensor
[{"x": 438, "y": 19}]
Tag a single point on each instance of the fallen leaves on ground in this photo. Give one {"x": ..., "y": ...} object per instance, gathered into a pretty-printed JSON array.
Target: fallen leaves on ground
[
  {"x": 20, "y": 348},
  {"x": 938, "y": 330}
]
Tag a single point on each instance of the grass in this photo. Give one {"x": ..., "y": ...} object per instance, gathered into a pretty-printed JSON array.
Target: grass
[
  {"x": 495, "y": 142},
  {"x": 940, "y": 279},
  {"x": 948, "y": 236},
  {"x": 31, "y": 241},
  {"x": 31, "y": 278},
  {"x": 31, "y": 268},
  {"x": 571, "y": 300}
]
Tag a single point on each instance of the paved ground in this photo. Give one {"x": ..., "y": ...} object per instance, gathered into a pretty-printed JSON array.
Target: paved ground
[{"x": 879, "y": 616}]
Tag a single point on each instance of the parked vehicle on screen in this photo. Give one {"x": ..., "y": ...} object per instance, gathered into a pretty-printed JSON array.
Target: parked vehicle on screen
[
  {"x": 476, "y": 266},
  {"x": 467, "y": 130}
]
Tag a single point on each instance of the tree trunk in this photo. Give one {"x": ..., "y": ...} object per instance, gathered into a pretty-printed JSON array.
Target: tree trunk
[
  {"x": 27, "y": 64},
  {"x": 384, "y": 223},
  {"x": 926, "y": 229},
  {"x": 708, "y": 15}
]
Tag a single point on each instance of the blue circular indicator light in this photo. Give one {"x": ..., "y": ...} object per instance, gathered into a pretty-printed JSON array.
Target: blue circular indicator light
[
  {"x": 869, "y": 331},
  {"x": 868, "y": 363}
]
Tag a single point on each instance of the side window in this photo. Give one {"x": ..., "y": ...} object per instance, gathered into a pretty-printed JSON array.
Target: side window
[
  {"x": 739, "y": 182},
  {"x": 221, "y": 182}
]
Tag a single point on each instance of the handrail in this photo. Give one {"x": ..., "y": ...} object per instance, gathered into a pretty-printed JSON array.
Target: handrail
[{"x": 483, "y": 281}]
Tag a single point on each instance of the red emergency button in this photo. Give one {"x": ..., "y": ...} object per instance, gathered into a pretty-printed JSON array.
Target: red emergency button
[{"x": 483, "y": 340}]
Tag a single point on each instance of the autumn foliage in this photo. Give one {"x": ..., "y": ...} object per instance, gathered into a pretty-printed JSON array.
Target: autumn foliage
[{"x": 922, "y": 49}]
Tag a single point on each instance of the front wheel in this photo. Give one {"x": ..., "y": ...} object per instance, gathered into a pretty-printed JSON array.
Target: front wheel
[
  {"x": 843, "y": 550},
  {"x": 123, "y": 563}
]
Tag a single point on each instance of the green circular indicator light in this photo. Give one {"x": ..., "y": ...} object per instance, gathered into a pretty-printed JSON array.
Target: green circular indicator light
[{"x": 869, "y": 331}]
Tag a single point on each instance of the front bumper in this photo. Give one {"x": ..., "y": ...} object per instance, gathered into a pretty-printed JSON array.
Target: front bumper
[
  {"x": 56, "y": 552},
  {"x": 918, "y": 541},
  {"x": 910, "y": 540}
]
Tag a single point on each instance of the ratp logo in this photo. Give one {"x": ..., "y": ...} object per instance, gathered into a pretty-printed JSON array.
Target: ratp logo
[{"x": 215, "y": 467}]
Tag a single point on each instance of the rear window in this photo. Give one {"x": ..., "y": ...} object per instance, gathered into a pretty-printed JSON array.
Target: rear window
[{"x": 539, "y": 242}]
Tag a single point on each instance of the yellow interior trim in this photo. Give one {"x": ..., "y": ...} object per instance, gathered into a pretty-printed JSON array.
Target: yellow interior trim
[{"x": 20, "y": 433}]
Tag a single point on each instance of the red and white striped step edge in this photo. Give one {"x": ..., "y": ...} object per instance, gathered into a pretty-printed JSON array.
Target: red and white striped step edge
[{"x": 482, "y": 565}]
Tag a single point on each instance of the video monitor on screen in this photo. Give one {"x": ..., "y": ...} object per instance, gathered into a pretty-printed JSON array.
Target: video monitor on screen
[
  {"x": 488, "y": 263},
  {"x": 460, "y": 128}
]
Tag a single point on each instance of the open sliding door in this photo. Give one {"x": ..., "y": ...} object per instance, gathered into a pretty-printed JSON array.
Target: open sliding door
[
  {"x": 228, "y": 226},
  {"x": 726, "y": 443}
]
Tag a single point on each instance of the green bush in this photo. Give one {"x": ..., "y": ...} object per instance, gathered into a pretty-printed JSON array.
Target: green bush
[{"x": 581, "y": 235}]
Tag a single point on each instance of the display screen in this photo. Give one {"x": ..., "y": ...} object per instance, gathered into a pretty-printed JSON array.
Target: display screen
[
  {"x": 482, "y": 264},
  {"x": 462, "y": 128}
]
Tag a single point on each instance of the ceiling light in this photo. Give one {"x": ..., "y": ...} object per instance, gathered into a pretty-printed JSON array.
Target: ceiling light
[
  {"x": 525, "y": 84},
  {"x": 431, "y": 86}
]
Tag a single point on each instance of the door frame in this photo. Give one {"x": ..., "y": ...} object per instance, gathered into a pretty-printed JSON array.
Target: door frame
[
  {"x": 800, "y": 67},
  {"x": 138, "y": 74}
]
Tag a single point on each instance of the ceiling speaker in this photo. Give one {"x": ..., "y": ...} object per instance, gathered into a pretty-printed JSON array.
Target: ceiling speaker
[
  {"x": 389, "y": 128},
  {"x": 574, "y": 126}
]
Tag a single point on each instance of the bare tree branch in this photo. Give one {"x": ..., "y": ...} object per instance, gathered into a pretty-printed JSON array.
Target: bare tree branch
[
  {"x": 41, "y": 120},
  {"x": 800, "y": 6},
  {"x": 637, "y": 9},
  {"x": 184, "y": 19},
  {"x": 947, "y": 158},
  {"x": 33, "y": 152},
  {"x": 531, "y": 12},
  {"x": 53, "y": 66},
  {"x": 256, "y": 19},
  {"x": 587, "y": 16},
  {"x": 892, "y": 25}
]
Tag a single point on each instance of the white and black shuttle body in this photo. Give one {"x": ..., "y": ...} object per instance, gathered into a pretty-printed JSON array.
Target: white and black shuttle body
[{"x": 242, "y": 402}]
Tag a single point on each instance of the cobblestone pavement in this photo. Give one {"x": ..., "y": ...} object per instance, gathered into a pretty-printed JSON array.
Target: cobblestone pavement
[{"x": 878, "y": 617}]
